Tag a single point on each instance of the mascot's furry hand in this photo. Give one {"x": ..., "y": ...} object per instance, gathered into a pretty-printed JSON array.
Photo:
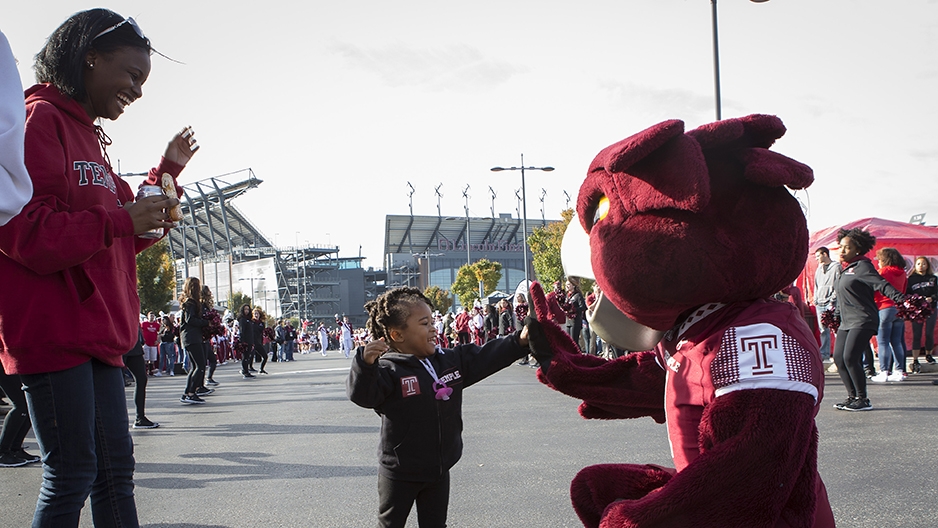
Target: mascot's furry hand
[
  {"x": 629, "y": 387},
  {"x": 545, "y": 337}
]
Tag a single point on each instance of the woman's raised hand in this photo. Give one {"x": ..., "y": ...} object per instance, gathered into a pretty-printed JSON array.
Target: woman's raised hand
[{"x": 182, "y": 147}]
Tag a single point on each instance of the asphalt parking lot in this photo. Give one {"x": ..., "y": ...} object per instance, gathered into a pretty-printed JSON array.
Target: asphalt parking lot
[{"x": 289, "y": 449}]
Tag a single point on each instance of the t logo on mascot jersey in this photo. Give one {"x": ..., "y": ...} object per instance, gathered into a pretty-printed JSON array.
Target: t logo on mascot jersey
[{"x": 761, "y": 356}]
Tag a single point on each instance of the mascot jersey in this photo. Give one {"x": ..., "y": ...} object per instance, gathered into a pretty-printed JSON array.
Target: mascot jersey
[
  {"x": 720, "y": 349},
  {"x": 722, "y": 381}
]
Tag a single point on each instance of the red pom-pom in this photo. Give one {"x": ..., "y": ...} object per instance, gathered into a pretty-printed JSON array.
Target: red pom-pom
[
  {"x": 215, "y": 326},
  {"x": 830, "y": 320},
  {"x": 243, "y": 347},
  {"x": 914, "y": 308}
]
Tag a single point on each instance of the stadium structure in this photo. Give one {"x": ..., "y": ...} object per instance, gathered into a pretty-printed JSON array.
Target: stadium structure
[
  {"x": 423, "y": 251},
  {"x": 219, "y": 244}
]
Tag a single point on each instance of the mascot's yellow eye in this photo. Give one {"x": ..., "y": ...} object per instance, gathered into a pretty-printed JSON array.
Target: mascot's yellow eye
[{"x": 602, "y": 209}]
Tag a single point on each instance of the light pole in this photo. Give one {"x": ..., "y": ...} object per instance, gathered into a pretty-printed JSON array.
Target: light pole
[
  {"x": 266, "y": 307},
  {"x": 524, "y": 208},
  {"x": 253, "y": 294},
  {"x": 465, "y": 194},
  {"x": 716, "y": 54}
]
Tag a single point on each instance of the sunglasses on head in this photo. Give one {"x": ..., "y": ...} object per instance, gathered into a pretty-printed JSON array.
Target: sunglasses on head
[{"x": 128, "y": 20}]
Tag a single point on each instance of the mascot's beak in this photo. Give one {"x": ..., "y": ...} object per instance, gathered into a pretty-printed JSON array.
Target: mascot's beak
[{"x": 613, "y": 326}]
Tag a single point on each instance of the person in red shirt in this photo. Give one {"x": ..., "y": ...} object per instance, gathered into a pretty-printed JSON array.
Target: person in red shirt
[
  {"x": 891, "y": 336},
  {"x": 70, "y": 253},
  {"x": 461, "y": 325},
  {"x": 151, "y": 343}
]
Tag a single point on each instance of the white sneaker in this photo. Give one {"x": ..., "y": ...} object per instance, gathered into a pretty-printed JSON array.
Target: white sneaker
[
  {"x": 896, "y": 376},
  {"x": 881, "y": 377},
  {"x": 157, "y": 373}
]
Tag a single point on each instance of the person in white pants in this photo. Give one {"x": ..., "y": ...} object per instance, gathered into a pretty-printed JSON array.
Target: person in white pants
[
  {"x": 346, "y": 336},
  {"x": 323, "y": 339}
]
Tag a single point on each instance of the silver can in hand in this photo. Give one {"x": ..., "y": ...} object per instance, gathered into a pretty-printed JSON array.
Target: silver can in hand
[{"x": 143, "y": 192}]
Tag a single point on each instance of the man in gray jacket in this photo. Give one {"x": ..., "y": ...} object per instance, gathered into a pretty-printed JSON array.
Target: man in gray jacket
[{"x": 824, "y": 295}]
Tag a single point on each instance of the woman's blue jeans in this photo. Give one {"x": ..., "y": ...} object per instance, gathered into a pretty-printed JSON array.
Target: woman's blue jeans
[
  {"x": 891, "y": 341},
  {"x": 80, "y": 420},
  {"x": 168, "y": 356}
]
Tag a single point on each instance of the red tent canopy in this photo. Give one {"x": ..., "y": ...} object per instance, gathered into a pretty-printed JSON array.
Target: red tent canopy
[{"x": 911, "y": 240}]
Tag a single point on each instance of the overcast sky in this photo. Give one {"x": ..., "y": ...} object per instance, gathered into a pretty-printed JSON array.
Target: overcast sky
[{"x": 337, "y": 105}]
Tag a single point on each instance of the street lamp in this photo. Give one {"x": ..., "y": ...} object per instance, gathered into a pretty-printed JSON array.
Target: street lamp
[
  {"x": 524, "y": 207},
  {"x": 253, "y": 293},
  {"x": 465, "y": 194},
  {"x": 716, "y": 54}
]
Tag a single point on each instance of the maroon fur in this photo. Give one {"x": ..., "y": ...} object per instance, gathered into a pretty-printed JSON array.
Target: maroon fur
[
  {"x": 694, "y": 218},
  {"x": 706, "y": 200}
]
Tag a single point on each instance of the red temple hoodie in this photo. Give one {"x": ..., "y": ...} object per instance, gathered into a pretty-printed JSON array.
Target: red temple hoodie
[{"x": 67, "y": 260}]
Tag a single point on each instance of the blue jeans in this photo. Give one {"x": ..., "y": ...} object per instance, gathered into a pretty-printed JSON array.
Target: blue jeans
[
  {"x": 168, "y": 357},
  {"x": 825, "y": 332},
  {"x": 80, "y": 420},
  {"x": 288, "y": 350},
  {"x": 891, "y": 339}
]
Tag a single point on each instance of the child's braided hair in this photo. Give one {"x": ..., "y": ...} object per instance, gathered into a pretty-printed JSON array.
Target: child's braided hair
[{"x": 392, "y": 309}]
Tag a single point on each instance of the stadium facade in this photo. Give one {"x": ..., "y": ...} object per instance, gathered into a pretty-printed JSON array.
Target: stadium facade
[{"x": 219, "y": 244}]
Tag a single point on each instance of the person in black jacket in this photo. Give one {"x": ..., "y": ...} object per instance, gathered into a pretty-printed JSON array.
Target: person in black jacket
[
  {"x": 491, "y": 323},
  {"x": 208, "y": 307},
  {"x": 190, "y": 335},
  {"x": 246, "y": 340},
  {"x": 259, "y": 326},
  {"x": 923, "y": 282},
  {"x": 506, "y": 320},
  {"x": 859, "y": 316},
  {"x": 417, "y": 389}
]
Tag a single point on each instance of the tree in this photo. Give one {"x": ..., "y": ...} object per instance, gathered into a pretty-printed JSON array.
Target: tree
[
  {"x": 236, "y": 300},
  {"x": 466, "y": 286},
  {"x": 490, "y": 273},
  {"x": 440, "y": 298},
  {"x": 545, "y": 252},
  {"x": 156, "y": 280}
]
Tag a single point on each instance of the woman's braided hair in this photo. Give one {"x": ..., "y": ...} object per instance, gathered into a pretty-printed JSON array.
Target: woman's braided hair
[{"x": 392, "y": 309}]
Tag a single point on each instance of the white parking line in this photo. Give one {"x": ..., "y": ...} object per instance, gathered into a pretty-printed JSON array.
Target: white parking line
[{"x": 313, "y": 370}]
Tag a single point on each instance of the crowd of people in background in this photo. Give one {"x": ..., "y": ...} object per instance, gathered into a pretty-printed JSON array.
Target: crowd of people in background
[
  {"x": 857, "y": 314},
  {"x": 201, "y": 336}
]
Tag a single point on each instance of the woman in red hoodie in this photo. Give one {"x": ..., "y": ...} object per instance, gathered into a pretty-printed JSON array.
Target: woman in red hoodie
[
  {"x": 72, "y": 250},
  {"x": 891, "y": 336}
]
